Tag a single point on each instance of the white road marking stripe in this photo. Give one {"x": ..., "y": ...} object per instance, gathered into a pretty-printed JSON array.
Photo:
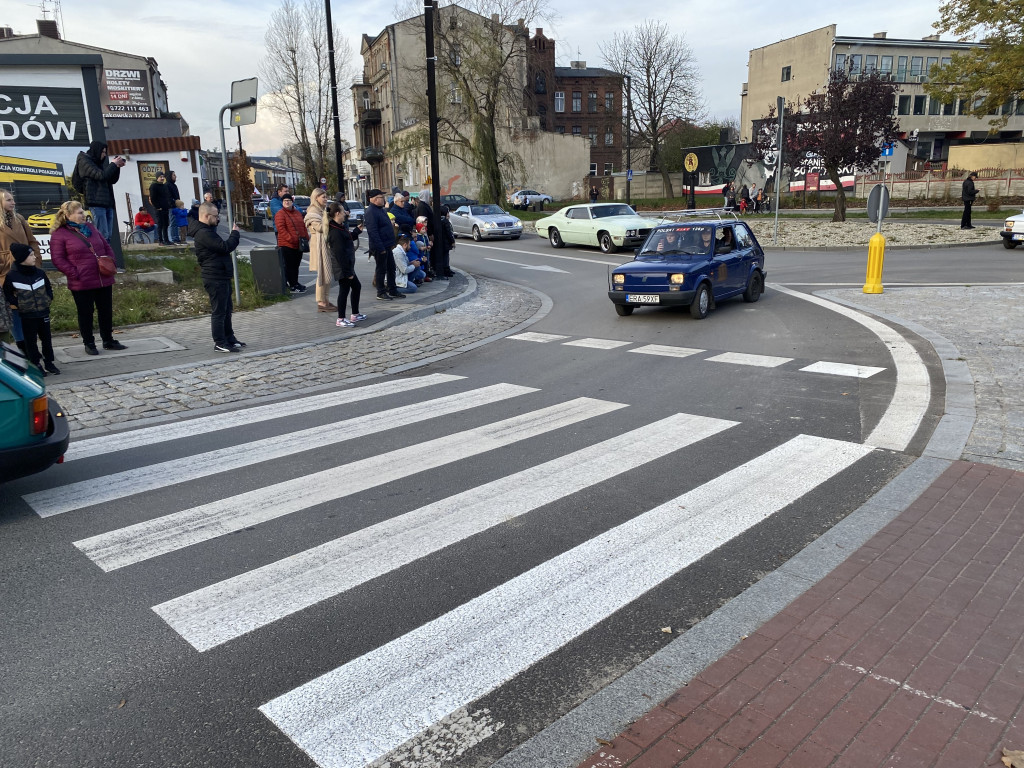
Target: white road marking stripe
[
  {"x": 909, "y": 403},
  {"x": 542, "y": 338},
  {"x": 666, "y": 351},
  {"x": 169, "y": 533},
  {"x": 221, "y": 612},
  {"x": 86, "y": 493},
  {"x": 842, "y": 369},
  {"x": 542, "y": 268},
  {"x": 124, "y": 441},
  {"x": 596, "y": 343},
  {"x": 361, "y": 711},
  {"x": 539, "y": 255},
  {"x": 758, "y": 361}
]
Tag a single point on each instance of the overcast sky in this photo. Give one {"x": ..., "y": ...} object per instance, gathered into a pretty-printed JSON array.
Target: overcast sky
[{"x": 203, "y": 45}]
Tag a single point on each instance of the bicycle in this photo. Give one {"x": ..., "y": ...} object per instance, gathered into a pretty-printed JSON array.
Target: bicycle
[{"x": 135, "y": 236}]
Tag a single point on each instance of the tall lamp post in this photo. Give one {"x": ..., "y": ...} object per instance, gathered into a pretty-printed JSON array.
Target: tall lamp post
[
  {"x": 334, "y": 100},
  {"x": 429, "y": 9}
]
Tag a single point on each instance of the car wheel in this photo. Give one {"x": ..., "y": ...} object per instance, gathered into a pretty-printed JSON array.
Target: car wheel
[
  {"x": 607, "y": 244},
  {"x": 701, "y": 302},
  {"x": 555, "y": 238},
  {"x": 624, "y": 310},
  {"x": 1009, "y": 244},
  {"x": 476, "y": 234},
  {"x": 754, "y": 286}
]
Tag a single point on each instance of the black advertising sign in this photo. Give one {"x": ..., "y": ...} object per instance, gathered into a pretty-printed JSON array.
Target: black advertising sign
[
  {"x": 42, "y": 117},
  {"x": 125, "y": 93}
]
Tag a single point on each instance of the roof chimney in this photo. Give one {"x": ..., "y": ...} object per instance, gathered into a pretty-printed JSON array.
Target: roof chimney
[
  {"x": 931, "y": 38},
  {"x": 48, "y": 28},
  {"x": 540, "y": 32},
  {"x": 880, "y": 35},
  {"x": 578, "y": 64}
]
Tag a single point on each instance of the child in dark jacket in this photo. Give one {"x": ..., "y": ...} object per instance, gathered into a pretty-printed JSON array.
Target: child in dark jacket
[{"x": 28, "y": 290}]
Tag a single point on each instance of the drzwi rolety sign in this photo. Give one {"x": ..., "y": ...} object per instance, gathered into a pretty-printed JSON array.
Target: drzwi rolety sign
[
  {"x": 126, "y": 93},
  {"x": 42, "y": 117}
]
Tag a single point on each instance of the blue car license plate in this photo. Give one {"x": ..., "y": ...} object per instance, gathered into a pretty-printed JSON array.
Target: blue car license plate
[{"x": 643, "y": 298}]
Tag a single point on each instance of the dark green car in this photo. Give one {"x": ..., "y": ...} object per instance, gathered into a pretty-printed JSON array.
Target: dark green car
[{"x": 33, "y": 428}]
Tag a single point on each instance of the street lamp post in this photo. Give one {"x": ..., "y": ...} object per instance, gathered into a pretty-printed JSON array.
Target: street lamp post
[{"x": 334, "y": 99}]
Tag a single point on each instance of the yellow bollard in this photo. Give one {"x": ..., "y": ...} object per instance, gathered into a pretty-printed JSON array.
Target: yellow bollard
[{"x": 876, "y": 257}]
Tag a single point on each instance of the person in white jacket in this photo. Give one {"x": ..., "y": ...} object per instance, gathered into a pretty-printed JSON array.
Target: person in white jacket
[{"x": 408, "y": 274}]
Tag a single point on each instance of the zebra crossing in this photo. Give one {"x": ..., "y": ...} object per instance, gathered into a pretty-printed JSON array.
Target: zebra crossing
[
  {"x": 370, "y": 707},
  {"x": 732, "y": 358}
]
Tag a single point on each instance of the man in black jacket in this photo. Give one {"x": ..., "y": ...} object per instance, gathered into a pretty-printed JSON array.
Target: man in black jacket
[
  {"x": 99, "y": 174},
  {"x": 214, "y": 256},
  {"x": 968, "y": 194},
  {"x": 160, "y": 199},
  {"x": 381, "y": 234}
]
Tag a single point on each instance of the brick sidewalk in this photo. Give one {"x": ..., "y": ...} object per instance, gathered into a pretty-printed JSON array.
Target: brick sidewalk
[{"x": 910, "y": 653}]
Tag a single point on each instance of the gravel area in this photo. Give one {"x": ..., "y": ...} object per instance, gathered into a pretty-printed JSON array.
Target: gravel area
[{"x": 828, "y": 234}]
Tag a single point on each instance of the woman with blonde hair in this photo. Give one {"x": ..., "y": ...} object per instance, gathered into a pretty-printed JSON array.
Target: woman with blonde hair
[
  {"x": 319, "y": 259},
  {"x": 75, "y": 249},
  {"x": 13, "y": 229}
]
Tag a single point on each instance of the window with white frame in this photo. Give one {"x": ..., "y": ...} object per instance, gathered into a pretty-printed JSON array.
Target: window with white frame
[{"x": 559, "y": 101}]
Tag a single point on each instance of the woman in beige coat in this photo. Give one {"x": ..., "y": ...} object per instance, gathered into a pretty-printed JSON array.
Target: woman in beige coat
[
  {"x": 13, "y": 229},
  {"x": 319, "y": 258}
]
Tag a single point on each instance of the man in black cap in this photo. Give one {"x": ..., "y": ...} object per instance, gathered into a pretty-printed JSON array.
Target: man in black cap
[
  {"x": 381, "y": 233},
  {"x": 967, "y": 194},
  {"x": 97, "y": 175}
]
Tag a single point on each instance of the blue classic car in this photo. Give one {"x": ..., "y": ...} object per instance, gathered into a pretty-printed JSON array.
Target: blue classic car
[
  {"x": 33, "y": 427},
  {"x": 691, "y": 264}
]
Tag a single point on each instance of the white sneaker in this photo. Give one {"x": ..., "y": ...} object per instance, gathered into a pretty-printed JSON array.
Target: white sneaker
[{"x": 344, "y": 323}]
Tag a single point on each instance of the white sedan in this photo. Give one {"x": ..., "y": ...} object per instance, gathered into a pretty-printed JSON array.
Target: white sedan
[
  {"x": 609, "y": 226},
  {"x": 1013, "y": 231},
  {"x": 524, "y": 198},
  {"x": 483, "y": 221}
]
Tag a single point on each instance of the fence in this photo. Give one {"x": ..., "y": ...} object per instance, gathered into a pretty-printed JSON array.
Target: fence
[{"x": 943, "y": 184}]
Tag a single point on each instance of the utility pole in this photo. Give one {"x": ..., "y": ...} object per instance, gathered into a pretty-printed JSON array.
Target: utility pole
[
  {"x": 429, "y": 9},
  {"x": 629, "y": 134},
  {"x": 334, "y": 100},
  {"x": 781, "y": 104}
]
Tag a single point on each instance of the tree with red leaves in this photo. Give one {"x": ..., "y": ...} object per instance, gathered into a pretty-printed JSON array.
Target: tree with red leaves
[{"x": 846, "y": 126}]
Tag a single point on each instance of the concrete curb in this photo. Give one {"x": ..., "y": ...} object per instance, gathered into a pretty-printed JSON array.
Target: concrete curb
[{"x": 569, "y": 740}]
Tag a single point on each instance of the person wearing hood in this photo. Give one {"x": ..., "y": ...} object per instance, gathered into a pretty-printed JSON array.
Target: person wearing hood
[
  {"x": 13, "y": 229},
  {"x": 160, "y": 199},
  {"x": 214, "y": 256},
  {"x": 99, "y": 174},
  {"x": 27, "y": 289}
]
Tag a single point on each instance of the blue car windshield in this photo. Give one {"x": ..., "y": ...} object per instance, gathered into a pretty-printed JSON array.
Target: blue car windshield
[
  {"x": 604, "y": 211},
  {"x": 682, "y": 240},
  {"x": 486, "y": 210}
]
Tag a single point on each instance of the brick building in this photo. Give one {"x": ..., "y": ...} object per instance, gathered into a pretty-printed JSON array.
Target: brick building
[{"x": 578, "y": 100}]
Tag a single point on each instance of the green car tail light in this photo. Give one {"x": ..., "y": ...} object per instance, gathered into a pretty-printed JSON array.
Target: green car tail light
[{"x": 40, "y": 416}]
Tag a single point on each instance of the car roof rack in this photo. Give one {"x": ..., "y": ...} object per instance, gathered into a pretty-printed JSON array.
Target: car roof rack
[{"x": 693, "y": 213}]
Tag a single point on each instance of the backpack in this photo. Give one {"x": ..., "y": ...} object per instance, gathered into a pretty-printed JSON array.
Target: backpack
[{"x": 77, "y": 182}]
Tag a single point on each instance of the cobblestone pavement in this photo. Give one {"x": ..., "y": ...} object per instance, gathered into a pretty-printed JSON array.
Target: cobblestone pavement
[
  {"x": 116, "y": 400},
  {"x": 984, "y": 324}
]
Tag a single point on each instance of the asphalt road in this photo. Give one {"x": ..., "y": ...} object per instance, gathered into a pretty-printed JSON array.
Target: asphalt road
[{"x": 436, "y": 584}]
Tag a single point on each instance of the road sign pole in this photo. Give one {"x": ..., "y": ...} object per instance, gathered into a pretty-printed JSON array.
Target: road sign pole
[
  {"x": 781, "y": 103},
  {"x": 227, "y": 182}
]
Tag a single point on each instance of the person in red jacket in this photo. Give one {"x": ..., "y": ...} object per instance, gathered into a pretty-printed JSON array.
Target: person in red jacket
[
  {"x": 75, "y": 249},
  {"x": 144, "y": 221},
  {"x": 290, "y": 229}
]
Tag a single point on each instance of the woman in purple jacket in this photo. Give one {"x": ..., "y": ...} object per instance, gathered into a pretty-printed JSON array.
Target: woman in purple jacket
[{"x": 75, "y": 249}]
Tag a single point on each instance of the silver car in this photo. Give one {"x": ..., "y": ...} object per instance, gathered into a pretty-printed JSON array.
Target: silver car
[{"x": 481, "y": 221}]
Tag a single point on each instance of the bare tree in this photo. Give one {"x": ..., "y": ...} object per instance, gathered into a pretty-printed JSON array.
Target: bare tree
[
  {"x": 296, "y": 73},
  {"x": 481, "y": 48},
  {"x": 844, "y": 127},
  {"x": 664, "y": 84}
]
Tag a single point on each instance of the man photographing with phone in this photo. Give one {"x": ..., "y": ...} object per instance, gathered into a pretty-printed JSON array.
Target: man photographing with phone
[
  {"x": 95, "y": 175},
  {"x": 214, "y": 256}
]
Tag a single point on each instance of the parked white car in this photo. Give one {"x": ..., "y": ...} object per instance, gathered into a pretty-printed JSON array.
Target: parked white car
[{"x": 527, "y": 197}]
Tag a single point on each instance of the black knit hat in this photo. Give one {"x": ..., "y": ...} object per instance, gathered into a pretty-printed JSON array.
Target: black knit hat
[{"x": 20, "y": 252}]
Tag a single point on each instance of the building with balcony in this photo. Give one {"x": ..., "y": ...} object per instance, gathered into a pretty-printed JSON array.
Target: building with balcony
[{"x": 799, "y": 66}]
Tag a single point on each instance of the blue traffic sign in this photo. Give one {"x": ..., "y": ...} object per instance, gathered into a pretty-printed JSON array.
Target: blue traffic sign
[
  {"x": 887, "y": 150},
  {"x": 629, "y": 174}
]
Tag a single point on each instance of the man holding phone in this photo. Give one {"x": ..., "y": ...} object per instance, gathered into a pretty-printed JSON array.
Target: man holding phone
[
  {"x": 95, "y": 175},
  {"x": 214, "y": 256}
]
